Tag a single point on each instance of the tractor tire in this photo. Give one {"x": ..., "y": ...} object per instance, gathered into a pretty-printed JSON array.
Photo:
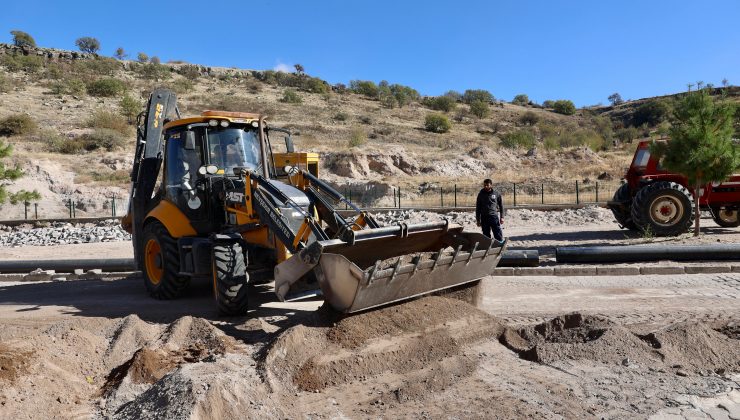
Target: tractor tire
[
  {"x": 230, "y": 279},
  {"x": 725, "y": 218},
  {"x": 663, "y": 209},
  {"x": 161, "y": 263},
  {"x": 624, "y": 216}
]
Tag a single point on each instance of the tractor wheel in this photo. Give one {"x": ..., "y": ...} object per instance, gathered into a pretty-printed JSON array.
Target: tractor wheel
[
  {"x": 230, "y": 279},
  {"x": 725, "y": 218},
  {"x": 161, "y": 263},
  {"x": 663, "y": 209},
  {"x": 623, "y": 215}
]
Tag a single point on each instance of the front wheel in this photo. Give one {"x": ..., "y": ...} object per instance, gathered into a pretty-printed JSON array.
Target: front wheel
[
  {"x": 623, "y": 214},
  {"x": 725, "y": 217},
  {"x": 161, "y": 263},
  {"x": 230, "y": 279},
  {"x": 663, "y": 208}
]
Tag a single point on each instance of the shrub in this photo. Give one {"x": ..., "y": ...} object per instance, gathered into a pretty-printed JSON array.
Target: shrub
[
  {"x": 88, "y": 44},
  {"x": 521, "y": 100},
  {"x": 341, "y": 116},
  {"x": 100, "y": 66},
  {"x": 102, "y": 119},
  {"x": 404, "y": 94},
  {"x": 17, "y": 124},
  {"x": 154, "y": 71},
  {"x": 357, "y": 137},
  {"x": 652, "y": 113},
  {"x": 155, "y": 60},
  {"x": 440, "y": 103},
  {"x": 529, "y": 118},
  {"x": 22, "y": 39},
  {"x": 106, "y": 87},
  {"x": 142, "y": 57},
  {"x": 130, "y": 108},
  {"x": 454, "y": 95},
  {"x": 68, "y": 87},
  {"x": 190, "y": 71},
  {"x": 365, "y": 119},
  {"x": 627, "y": 134},
  {"x": 26, "y": 63},
  {"x": 5, "y": 83},
  {"x": 314, "y": 85},
  {"x": 472, "y": 95},
  {"x": 615, "y": 98},
  {"x": 291, "y": 97},
  {"x": 120, "y": 53},
  {"x": 386, "y": 98},
  {"x": 479, "y": 109},
  {"x": 520, "y": 138},
  {"x": 437, "y": 123},
  {"x": 180, "y": 86},
  {"x": 548, "y": 103},
  {"x": 102, "y": 138},
  {"x": 365, "y": 88},
  {"x": 564, "y": 106}
]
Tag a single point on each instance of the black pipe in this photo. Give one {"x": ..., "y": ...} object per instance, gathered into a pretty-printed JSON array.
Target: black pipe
[
  {"x": 639, "y": 253},
  {"x": 520, "y": 258},
  {"x": 68, "y": 266}
]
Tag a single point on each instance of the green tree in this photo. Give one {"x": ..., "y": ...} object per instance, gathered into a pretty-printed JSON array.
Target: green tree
[
  {"x": 564, "y": 106},
  {"x": 88, "y": 44},
  {"x": 479, "y": 109},
  {"x": 299, "y": 69},
  {"x": 437, "y": 123},
  {"x": 615, "y": 98},
  {"x": 130, "y": 108},
  {"x": 440, "y": 103},
  {"x": 521, "y": 100},
  {"x": 22, "y": 39},
  {"x": 472, "y": 95},
  {"x": 120, "y": 53},
  {"x": 142, "y": 57},
  {"x": 701, "y": 146}
]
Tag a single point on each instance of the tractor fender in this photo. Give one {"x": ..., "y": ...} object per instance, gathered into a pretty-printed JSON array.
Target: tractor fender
[{"x": 173, "y": 219}]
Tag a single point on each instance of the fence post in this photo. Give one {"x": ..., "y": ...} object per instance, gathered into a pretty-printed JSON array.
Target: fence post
[
  {"x": 542, "y": 192},
  {"x": 597, "y": 191},
  {"x": 113, "y": 206},
  {"x": 515, "y": 194},
  {"x": 36, "y": 210},
  {"x": 441, "y": 198},
  {"x": 69, "y": 206},
  {"x": 25, "y": 209},
  {"x": 74, "y": 211},
  {"x": 399, "y": 197},
  {"x": 455, "y": 195},
  {"x": 578, "y": 199}
]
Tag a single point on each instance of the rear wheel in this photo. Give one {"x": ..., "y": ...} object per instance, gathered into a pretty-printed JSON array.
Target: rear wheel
[
  {"x": 624, "y": 214},
  {"x": 161, "y": 263},
  {"x": 725, "y": 217},
  {"x": 230, "y": 279},
  {"x": 663, "y": 208}
]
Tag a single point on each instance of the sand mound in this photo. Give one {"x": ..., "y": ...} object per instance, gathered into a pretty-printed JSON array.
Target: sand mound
[
  {"x": 13, "y": 363},
  {"x": 686, "y": 345},
  {"x": 400, "y": 339}
]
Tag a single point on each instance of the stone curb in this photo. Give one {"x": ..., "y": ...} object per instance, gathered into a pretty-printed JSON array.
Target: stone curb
[
  {"x": 615, "y": 270},
  {"x": 59, "y": 277}
]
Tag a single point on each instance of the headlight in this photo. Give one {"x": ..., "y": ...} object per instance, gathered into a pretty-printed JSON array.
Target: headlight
[
  {"x": 213, "y": 123},
  {"x": 224, "y": 123},
  {"x": 255, "y": 124}
]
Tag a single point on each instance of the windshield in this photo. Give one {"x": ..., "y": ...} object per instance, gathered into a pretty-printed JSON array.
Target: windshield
[
  {"x": 231, "y": 148},
  {"x": 642, "y": 158}
]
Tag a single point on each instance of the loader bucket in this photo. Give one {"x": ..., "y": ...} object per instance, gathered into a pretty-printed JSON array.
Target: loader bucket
[{"x": 385, "y": 265}]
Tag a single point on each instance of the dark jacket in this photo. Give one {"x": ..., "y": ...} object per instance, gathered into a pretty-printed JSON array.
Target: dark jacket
[{"x": 488, "y": 204}]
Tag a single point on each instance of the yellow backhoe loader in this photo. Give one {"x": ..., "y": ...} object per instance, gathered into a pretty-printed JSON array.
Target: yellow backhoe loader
[{"x": 211, "y": 199}]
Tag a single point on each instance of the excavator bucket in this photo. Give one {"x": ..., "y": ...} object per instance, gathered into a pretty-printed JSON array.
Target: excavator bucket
[{"x": 389, "y": 264}]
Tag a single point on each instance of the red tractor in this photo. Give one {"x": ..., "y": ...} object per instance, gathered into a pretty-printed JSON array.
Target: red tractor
[{"x": 660, "y": 202}]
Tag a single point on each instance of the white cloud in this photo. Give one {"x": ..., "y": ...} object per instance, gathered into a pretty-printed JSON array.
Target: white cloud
[{"x": 282, "y": 67}]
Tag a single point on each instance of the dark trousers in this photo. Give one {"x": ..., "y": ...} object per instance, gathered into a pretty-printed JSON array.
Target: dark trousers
[{"x": 491, "y": 223}]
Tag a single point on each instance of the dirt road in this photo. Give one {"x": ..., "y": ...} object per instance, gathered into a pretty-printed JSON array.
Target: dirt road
[{"x": 433, "y": 357}]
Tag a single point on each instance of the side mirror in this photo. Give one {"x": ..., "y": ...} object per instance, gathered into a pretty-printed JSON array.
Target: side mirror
[
  {"x": 289, "y": 144},
  {"x": 189, "y": 140}
]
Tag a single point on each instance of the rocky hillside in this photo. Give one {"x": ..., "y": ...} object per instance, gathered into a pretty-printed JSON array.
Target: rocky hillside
[{"x": 77, "y": 137}]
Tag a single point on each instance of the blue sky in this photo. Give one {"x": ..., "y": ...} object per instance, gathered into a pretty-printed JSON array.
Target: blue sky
[{"x": 578, "y": 50}]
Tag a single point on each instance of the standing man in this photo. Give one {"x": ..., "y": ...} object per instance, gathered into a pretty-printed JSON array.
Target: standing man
[{"x": 488, "y": 206}]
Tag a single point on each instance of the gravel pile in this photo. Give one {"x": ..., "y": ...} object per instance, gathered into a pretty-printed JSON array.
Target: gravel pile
[
  {"x": 514, "y": 217},
  {"x": 60, "y": 233}
]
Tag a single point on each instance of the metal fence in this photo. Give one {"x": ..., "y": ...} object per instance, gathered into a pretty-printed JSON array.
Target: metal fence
[{"x": 366, "y": 195}]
